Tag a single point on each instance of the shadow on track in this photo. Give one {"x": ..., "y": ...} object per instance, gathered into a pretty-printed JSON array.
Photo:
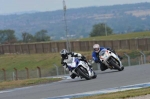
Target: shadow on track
[
  {"x": 76, "y": 80},
  {"x": 98, "y": 73},
  {"x": 104, "y": 72}
]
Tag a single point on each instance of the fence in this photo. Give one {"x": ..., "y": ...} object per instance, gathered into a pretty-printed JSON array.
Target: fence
[
  {"x": 28, "y": 73},
  {"x": 51, "y": 47}
]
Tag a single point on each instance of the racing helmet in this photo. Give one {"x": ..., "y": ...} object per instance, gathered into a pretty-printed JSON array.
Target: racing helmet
[
  {"x": 96, "y": 48},
  {"x": 64, "y": 53}
]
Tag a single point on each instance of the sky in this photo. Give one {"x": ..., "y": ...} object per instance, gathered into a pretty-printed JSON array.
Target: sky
[{"x": 15, "y": 6}]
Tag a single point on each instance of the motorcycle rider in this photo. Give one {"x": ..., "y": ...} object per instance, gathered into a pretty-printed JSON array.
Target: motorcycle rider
[
  {"x": 67, "y": 57},
  {"x": 95, "y": 55}
]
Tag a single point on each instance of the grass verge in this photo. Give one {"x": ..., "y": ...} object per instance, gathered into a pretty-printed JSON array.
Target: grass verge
[
  {"x": 120, "y": 36},
  {"x": 31, "y": 61},
  {"x": 27, "y": 82},
  {"x": 121, "y": 94}
]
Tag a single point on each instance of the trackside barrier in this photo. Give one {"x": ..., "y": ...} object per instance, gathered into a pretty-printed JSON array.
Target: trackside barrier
[
  {"x": 27, "y": 70},
  {"x": 143, "y": 56},
  {"x": 129, "y": 62},
  {"x": 16, "y": 74},
  {"x": 54, "y": 47},
  {"x": 56, "y": 69},
  {"x": 4, "y": 74},
  {"x": 39, "y": 72}
]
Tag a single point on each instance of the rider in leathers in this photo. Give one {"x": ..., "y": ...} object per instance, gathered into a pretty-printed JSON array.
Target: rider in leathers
[
  {"x": 95, "y": 55},
  {"x": 67, "y": 57}
]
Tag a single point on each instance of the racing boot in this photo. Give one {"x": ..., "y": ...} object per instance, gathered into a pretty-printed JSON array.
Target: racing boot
[{"x": 73, "y": 76}]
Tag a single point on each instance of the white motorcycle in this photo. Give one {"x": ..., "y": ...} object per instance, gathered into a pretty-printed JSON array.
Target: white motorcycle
[
  {"x": 110, "y": 59},
  {"x": 81, "y": 69}
]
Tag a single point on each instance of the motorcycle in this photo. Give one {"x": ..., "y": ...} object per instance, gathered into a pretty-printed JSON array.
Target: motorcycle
[
  {"x": 81, "y": 69},
  {"x": 111, "y": 60}
]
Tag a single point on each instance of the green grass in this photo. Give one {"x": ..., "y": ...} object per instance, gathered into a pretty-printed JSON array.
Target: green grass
[
  {"x": 27, "y": 82},
  {"x": 31, "y": 61},
  {"x": 121, "y": 94},
  {"x": 120, "y": 36}
]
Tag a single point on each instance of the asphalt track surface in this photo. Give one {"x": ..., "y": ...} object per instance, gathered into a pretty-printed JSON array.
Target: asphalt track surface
[{"x": 107, "y": 79}]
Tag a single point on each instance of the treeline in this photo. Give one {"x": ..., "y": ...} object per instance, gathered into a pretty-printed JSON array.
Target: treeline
[
  {"x": 8, "y": 37},
  {"x": 80, "y": 20}
]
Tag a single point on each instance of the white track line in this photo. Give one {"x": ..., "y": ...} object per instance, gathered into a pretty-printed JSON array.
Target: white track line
[{"x": 110, "y": 90}]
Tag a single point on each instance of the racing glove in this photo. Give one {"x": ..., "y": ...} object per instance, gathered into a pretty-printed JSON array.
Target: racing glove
[{"x": 97, "y": 61}]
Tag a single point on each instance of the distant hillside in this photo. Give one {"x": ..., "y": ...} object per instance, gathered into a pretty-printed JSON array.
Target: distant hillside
[{"x": 121, "y": 18}]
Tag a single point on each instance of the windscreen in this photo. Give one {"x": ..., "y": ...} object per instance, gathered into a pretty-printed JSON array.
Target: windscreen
[{"x": 102, "y": 52}]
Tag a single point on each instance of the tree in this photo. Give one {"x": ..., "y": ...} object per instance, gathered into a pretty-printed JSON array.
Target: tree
[
  {"x": 100, "y": 29},
  {"x": 7, "y": 36},
  {"x": 42, "y": 36},
  {"x": 27, "y": 37}
]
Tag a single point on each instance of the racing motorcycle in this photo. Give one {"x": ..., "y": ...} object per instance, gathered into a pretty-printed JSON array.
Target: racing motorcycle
[
  {"x": 81, "y": 69},
  {"x": 111, "y": 60}
]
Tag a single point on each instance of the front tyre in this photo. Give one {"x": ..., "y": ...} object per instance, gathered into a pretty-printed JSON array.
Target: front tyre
[
  {"x": 115, "y": 65},
  {"x": 83, "y": 73}
]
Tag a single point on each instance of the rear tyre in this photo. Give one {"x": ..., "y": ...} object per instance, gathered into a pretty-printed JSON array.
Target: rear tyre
[
  {"x": 122, "y": 68},
  {"x": 83, "y": 73},
  {"x": 95, "y": 75}
]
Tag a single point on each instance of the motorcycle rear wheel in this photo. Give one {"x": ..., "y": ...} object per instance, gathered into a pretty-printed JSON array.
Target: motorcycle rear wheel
[{"x": 95, "y": 75}]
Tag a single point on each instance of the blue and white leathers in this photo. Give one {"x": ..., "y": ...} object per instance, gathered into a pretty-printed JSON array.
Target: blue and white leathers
[
  {"x": 95, "y": 55},
  {"x": 74, "y": 63}
]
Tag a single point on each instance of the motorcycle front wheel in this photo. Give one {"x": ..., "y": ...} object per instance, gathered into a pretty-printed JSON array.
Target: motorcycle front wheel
[
  {"x": 115, "y": 65},
  {"x": 83, "y": 73}
]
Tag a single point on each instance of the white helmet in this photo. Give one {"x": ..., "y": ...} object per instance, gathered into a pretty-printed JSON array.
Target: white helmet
[
  {"x": 96, "y": 48},
  {"x": 64, "y": 53}
]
